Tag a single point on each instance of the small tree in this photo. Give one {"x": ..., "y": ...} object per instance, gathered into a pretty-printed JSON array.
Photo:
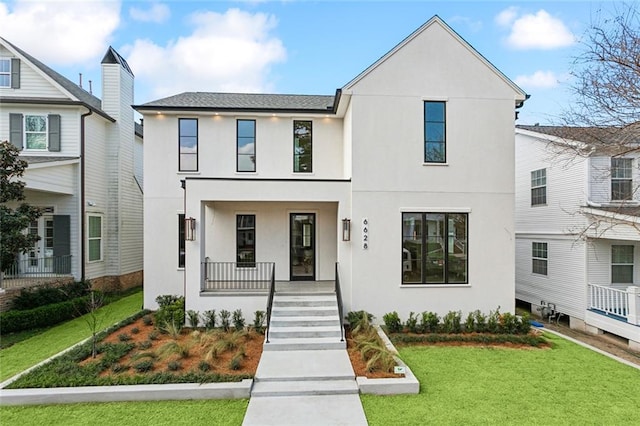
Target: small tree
[
  {"x": 94, "y": 321},
  {"x": 13, "y": 221}
]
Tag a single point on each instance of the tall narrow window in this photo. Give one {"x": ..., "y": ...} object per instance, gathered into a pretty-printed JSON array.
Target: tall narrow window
[
  {"x": 95, "y": 238},
  {"x": 246, "y": 134},
  {"x": 539, "y": 187},
  {"x": 35, "y": 132},
  {"x": 246, "y": 240},
  {"x": 622, "y": 264},
  {"x": 181, "y": 245},
  {"x": 188, "y": 144},
  {"x": 435, "y": 134},
  {"x": 621, "y": 179},
  {"x": 539, "y": 258},
  {"x": 434, "y": 248},
  {"x": 302, "y": 147},
  {"x": 5, "y": 72}
]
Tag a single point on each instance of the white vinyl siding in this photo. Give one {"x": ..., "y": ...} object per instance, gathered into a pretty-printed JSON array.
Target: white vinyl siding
[{"x": 32, "y": 82}]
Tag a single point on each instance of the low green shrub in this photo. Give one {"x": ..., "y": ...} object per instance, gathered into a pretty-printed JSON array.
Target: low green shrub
[
  {"x": 34, "y": 297},
  {"x": 224, "y": 319},
  {"x": 135, "y": 330},
  {"x": 528, "y": 339},
  {"x": 429, "y": 322},
  {"x": 209, "y": 319},
  {"x": 144, "y": 345},
  {"x": 143, "y": 366},
  {"x": 170, "y": 311},
  {"x": 412, "y": 323},
  {"x": 258, "y": 321},
  {"x": 124, "y": 337},
  {"x": 392, "y": 322},
  {"x": 174, "y": 366},
  {"x": 238, "y": 320},
  {"x": 204, "y": 366},
  {"x": 43, "y": 316},
  {"x": 194, "y": 318},
  {"x": 147, "y": 320},
  {"x": 354, "y": 318},
  {"x": 451, "y": 322}
]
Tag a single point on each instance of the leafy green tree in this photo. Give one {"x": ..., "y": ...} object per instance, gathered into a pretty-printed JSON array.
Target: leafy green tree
[{"x": 13, "y": 221}]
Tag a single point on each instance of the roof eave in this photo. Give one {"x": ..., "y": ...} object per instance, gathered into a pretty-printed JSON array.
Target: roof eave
[{"x": 49, "y": 101}]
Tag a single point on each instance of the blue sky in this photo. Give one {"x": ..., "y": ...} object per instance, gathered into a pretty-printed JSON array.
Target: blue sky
[{"x": 295, "y": 46}]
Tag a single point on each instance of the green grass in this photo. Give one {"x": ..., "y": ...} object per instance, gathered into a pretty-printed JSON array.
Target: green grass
[
  {"x": 213, "y": 412},
  {"x": 567, "y": 385},
  {"x": 27, "y": 353}
]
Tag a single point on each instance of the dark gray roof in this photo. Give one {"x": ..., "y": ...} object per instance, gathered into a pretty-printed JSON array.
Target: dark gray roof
[
  {"x": 81, "y": 94},
  {"x": 113, "y": 57},
  {"x": 32, "y": 159},
  {"x": 591, "y": 135},
  {"x": 243, "y": 101}
]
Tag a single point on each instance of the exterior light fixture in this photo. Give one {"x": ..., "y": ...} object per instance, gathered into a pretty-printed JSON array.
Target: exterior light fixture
[
  {"x": 346, "y": 229},
  {"x": 190, "y": 229}
]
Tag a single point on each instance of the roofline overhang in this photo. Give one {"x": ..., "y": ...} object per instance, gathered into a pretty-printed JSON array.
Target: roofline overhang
[
  {"x": 611, "y": 215},
  {"x": 143, "y": 108},
  {"x": 48, "y": 101}
]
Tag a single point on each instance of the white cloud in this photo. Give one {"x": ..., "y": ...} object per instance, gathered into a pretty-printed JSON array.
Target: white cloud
[
  {"x": 540, "y": 80},
  {"x": 157, "y": 13},
  {"x": 474, "y": 25},
  {"x": 534, "y": 31},
  {"x": 229, "y": 52},
  {"x": 61, "y": 33}
]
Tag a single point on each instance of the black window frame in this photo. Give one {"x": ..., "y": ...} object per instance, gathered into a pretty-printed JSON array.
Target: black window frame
[
  {"x": 424, "y": 258},
  {"x": 241, "y": 263},
  {"x": 238, "y": 138},
  {"x": 181, "y": 240},
  {"x": 433, "y": 121},
  {"x": 539, "y": 187},
  {"x": 540, "y": 258},
  {"x": 197, "y": 147},
  {"x": 618, "y": 181},
  {"x": 295, "y": 146}
]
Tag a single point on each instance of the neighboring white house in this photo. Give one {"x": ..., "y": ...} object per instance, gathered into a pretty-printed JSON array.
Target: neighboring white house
[
  {"x": 404, "y": 177},
  {"x": 577, "y": 231},
  {"x": 85, "y": 169}
]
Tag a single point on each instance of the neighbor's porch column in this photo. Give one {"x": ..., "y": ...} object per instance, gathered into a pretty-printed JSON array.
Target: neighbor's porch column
[{"x": 634, "y": 304}]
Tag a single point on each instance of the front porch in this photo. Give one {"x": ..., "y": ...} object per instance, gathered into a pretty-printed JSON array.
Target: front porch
[
  {"x": 36, "y": 271},
  {"x": 615, "y": 311}
]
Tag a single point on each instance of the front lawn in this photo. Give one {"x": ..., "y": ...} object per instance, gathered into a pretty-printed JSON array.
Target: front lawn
[
  {"x": 27, "y": 353},
  {"x": 473, "y": 385}
]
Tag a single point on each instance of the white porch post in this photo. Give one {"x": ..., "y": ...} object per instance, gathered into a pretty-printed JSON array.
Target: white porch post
[{"x": 634, "y": 304}]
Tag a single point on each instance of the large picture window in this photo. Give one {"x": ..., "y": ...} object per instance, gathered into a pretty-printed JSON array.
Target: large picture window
[
  {"x": 181, "y": 244},
  {"x": 94, "y": 233},
  {"x": 435, "y": 134},
  {"x": 434, "y": 248},
  {"x": 539, "y": 255},
  {"x": 246, "y": 135},
  {"x": 539, "y": 187},
  {"x": 188, "y": 144},
  {"x": 622, "y": 264},
  {"x": 621, "y": 179},
  {"x": 246, "y": 240},
  {"x": 302, "y": 147}
]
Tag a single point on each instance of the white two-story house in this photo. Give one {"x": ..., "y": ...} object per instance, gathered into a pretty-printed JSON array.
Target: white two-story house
[
  {"x": 577, "y": 229},
  {"x": 404, "y": 178},
  {"x": 85, "y": 170}
]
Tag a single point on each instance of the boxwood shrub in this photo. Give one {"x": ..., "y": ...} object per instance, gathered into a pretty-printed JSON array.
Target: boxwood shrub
[{"x": 42, "y": 316}]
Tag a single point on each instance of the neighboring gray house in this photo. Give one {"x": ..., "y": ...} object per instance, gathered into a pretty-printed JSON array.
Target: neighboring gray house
[
  {"x": 578, "y": 230},
  {"x": 85, "y": 170}
]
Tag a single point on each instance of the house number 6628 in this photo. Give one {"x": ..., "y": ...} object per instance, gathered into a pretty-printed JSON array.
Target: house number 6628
[{"x": 365, "y": 233}]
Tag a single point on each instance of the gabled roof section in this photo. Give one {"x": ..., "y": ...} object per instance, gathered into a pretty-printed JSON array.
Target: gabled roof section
[
  {"x": 113, "y": 57},
  {"x": 253, "y": 102},
  {"x": 76, "y": 91},
  {"x": 627, "y": 137},
  {"x": 521, "y": 96}
]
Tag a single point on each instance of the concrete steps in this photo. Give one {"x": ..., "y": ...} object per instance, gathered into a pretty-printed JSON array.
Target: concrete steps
[
  {"x": 304, "y": 344},
  {"x": 305, "y": 387}
]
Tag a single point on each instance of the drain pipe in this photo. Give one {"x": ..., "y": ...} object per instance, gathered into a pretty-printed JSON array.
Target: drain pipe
[{"x": 83, "y": 201}]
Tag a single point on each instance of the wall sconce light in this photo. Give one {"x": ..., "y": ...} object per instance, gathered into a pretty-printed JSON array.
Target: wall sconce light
[
  {"x": 346, "y": 229},
  {"x": 190, "y": 229}
]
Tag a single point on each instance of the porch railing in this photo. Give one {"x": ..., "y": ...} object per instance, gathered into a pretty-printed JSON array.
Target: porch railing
[
  {"x": 340, "y": 307},
  {"x": 234, "y": 276},
  {"x": 609, "y": 300},
  {"x": 272, "y": 292},
  {"x": 39, "y": 267}
]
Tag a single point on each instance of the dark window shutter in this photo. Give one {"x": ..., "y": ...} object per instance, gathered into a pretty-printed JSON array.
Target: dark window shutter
[
  {"x": 54, "y": 132},
  {"x": 15, "y": 130},
  {"x": 62, "y": 244},
  {"x": 15, "y": 73}
]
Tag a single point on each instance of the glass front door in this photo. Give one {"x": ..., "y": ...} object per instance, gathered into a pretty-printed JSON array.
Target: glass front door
[
  {"x": 303, "y": 253},
  {"x": 40, "y": 257}
]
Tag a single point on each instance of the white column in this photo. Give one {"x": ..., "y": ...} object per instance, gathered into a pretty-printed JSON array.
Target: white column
[{"x": 634, "y": 304}]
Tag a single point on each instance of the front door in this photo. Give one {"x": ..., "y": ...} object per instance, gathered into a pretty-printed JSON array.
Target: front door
[
  {"x": 302, "y": 259},
  {"x": 39, "y": 259}
]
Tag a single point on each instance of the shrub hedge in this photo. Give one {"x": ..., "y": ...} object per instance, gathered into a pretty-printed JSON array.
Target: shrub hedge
[
  {"x": 42, "y": 316},
  {"x": 34, "y": 297}
]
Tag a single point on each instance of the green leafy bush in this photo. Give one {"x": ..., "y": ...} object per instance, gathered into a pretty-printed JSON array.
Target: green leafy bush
[
  {"x": 30, "y": 298},
  {"x": 480, "y": 321},
  {"x": 124, "y": 337},
  {"x": 144, "y": 345},
  {"x": 429, "y": 322},
  {"x": 143, "y": 366},
  {"x": 170, "y": 311},
  {"x": 174, "y": 366},
  {"x": 412, "y": 323},
  {"x": 209, "y": 319},
  {"x": 194, "y": 318},
  {"x": 43, "y": 316},
  {"x": 258, "y": 321},
  {"x": 224, "y": 319},
  {"x": 147, "y": 320},
  {"x": 135, "y": 330},
  {"x": 238, "y": 320},
  {"x": 451, "y": 322},
  {"x": 354, "y": 318},
  {"x": 392, "y": 322},
  {"x": 204, "y": 366}
]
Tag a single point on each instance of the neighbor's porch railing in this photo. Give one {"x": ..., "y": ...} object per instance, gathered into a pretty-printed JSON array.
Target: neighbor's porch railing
[
  {"x": 25, "y": 271},
  {"x": 624, "y": 304},
  {"x": 234, "y": 276}
]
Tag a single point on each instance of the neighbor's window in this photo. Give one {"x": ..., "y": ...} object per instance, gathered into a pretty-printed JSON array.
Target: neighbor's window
[
  {"x": 621, "y": 179},
  {"x": 181, "y": 245},
  {"x": 35, "y": 132},
  {"x": 246, "y": 135},
  {"x": 302, "y": 147},
  {"x": 539, "y": 258},
  {"x": 188, "y": 144},
  {"x": 5, "y": 72},
  {"x": 435, "y": 134},
  {"x": 539, "y": 187},
  {"x": 434, "y": 248},
  {"x": 622, "y": 264},
  {"x": 246, "y": 240},
  {"x": 95, "y": 238}
]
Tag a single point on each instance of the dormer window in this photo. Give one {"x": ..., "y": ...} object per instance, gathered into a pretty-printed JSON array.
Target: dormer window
[{"x": 621, "y": 179}]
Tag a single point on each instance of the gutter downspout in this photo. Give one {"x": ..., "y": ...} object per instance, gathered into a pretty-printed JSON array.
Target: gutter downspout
[{"x": 83, "y": 202}]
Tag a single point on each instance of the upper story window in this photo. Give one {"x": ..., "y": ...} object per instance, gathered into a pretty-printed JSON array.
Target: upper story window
[
  {"x": 188, "y": 144},
  {"x": 539, "y": 187},
  {"x": 5, "y": 72},
  {"x": 246, "y": 145},
  {"x": 435, "y": 134},
  {"x": 35, "y": 132},
  {"x": 621, "y": 179},
  {"x": 622, "y": 264},
  {"x": 94, "y": 237},
  {"x": 302, "y": 147},
  {"x": 539, "y": 252},
  {"x": 434, "y": 248}
]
